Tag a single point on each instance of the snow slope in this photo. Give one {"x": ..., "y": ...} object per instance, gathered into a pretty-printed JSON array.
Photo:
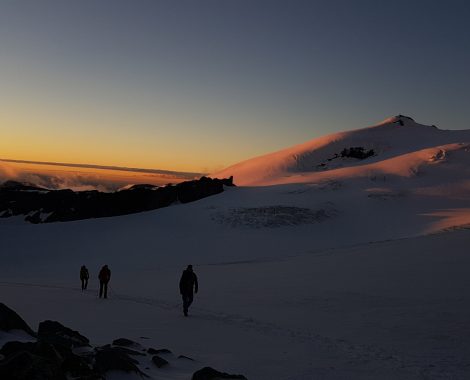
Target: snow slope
[
  {"x": 338, "y": 314},
  {"x": 306, "y": 162},
  {"x": 356, "y": 271}
]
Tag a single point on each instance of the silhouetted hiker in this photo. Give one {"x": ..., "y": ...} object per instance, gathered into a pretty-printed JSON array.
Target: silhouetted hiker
[
  {"x": 84, "y": 276},
  {"x": 188, "y": 283},
  {"x": 104, "y": 276}
]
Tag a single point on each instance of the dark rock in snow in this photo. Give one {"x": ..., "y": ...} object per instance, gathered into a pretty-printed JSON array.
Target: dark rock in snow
[
  {"x": 153, "y": 351},
  {"x": 405, "y": 117},
  {"x": 47, "y": 351},
  {"x": 51, "y": 356},
  {"x": 124, "y": 342},
  {"x": 159, "y": 362},
  {"x": 191, "y": 191},
  {"x": 34, "y": 218},
  {"x": 208, "y": 373},
  {"x": 75, "y": 365},
  {"x": 13, "y": 347},
  {"x": 46, "y": 206},
  {"x": 124, "y": 350},
  {"x": 56, "y": 333},
  {"x": 357, "y": 152},
  {"x": 27, "y": 366},
  {"x": 109, "y": 359},
  {"x": 58, "y": 356},
  {"x": 10, "y": 320},
  {"x": 185, "y": 358}
]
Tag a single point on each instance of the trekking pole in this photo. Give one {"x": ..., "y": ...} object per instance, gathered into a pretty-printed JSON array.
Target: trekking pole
[{"x": 114, "y": 293}]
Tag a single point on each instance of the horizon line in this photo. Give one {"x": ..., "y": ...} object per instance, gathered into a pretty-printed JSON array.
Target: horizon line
[{"x": 104, "y": 167}]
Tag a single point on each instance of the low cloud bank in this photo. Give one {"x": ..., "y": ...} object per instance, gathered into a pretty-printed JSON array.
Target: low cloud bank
[{"x": 55, "y": 177}]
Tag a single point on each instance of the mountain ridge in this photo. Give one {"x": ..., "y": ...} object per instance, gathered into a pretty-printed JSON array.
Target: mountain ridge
[{"x": 392, "y": 137}]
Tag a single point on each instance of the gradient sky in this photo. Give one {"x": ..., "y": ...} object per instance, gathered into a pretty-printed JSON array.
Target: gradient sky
[{"x": 198, "y": 85}]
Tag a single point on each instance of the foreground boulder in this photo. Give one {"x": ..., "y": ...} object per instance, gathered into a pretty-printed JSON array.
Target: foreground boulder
[
  {"x": 27, "y": 366},
  {"x": 42, "y": 349},
  {"x": 153, "y": 351},
  {"x": 125, "y": 350},
  {"x": 56, "y": 358},
  {"x": 78, "y": 367},
  {"x": 13, "y": 347},
  {"x": 159, "y": 362},
  {"x": 56, "y": 333},
  {"x": 208, "y": 373},
  {"x": 10, "y": 320},
  {"x": 124, "y": 342},
  {"x": 111, "y": 359},
  {"x": 52, "y": 355}
]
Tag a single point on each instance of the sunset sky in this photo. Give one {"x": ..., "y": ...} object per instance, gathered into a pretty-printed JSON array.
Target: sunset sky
[{"x": 199, "y": 85}]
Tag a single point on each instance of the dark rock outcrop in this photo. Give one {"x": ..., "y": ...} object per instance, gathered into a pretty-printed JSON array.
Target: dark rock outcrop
[
  {"x": 185, "y": 358},
  {"x": 13, "y": 347},
  {"x": 78, "y": 366},
  {"x": 404, "y": 117},
  {"x": 124, "y": 342},
  {"x": 109, "y": 359},
  {"x": 27, "y": 366},
  {"x": 191, "y": 191},
  {"x": 51, "y": 356},
  {"x": 124, "y": 350},
  {"x": 10, "y": 320},
  {"x": 45, "y": 206},
  {"x": 357, "y": 152},
  {"x": 55, "y": 333},
  {"x": 159, "y": 362},
  {"x": 153, "y": 351},
  {"x": 46, "y": 355},
  {"x": 208, "y": 373}
]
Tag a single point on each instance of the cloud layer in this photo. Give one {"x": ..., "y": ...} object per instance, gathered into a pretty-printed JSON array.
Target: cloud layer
[{"x": 76, "y": 177}]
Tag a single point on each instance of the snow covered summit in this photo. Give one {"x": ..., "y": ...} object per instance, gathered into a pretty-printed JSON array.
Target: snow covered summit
[{"x": 395, "y": 136}]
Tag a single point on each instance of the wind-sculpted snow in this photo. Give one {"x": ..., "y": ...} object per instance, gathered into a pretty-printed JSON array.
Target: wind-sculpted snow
[{"x": 272, "y": 216}]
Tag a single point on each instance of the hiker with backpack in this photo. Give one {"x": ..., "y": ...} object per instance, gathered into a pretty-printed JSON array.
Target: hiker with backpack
[
  {"x": 84, "y": 276},
  {"x": 104, "y": 277},
  {"x": 188, "y": 285}
]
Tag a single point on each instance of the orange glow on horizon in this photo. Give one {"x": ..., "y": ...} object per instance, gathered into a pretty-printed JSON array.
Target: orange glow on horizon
[{"x": 85, "y": 178}]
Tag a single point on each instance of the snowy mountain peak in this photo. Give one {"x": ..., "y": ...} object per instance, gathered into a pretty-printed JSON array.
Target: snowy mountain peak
[
  {"x": 399, "y": 119},
  {"x": 394, "y": 122},
  {"x": 395, "y": 136}
]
